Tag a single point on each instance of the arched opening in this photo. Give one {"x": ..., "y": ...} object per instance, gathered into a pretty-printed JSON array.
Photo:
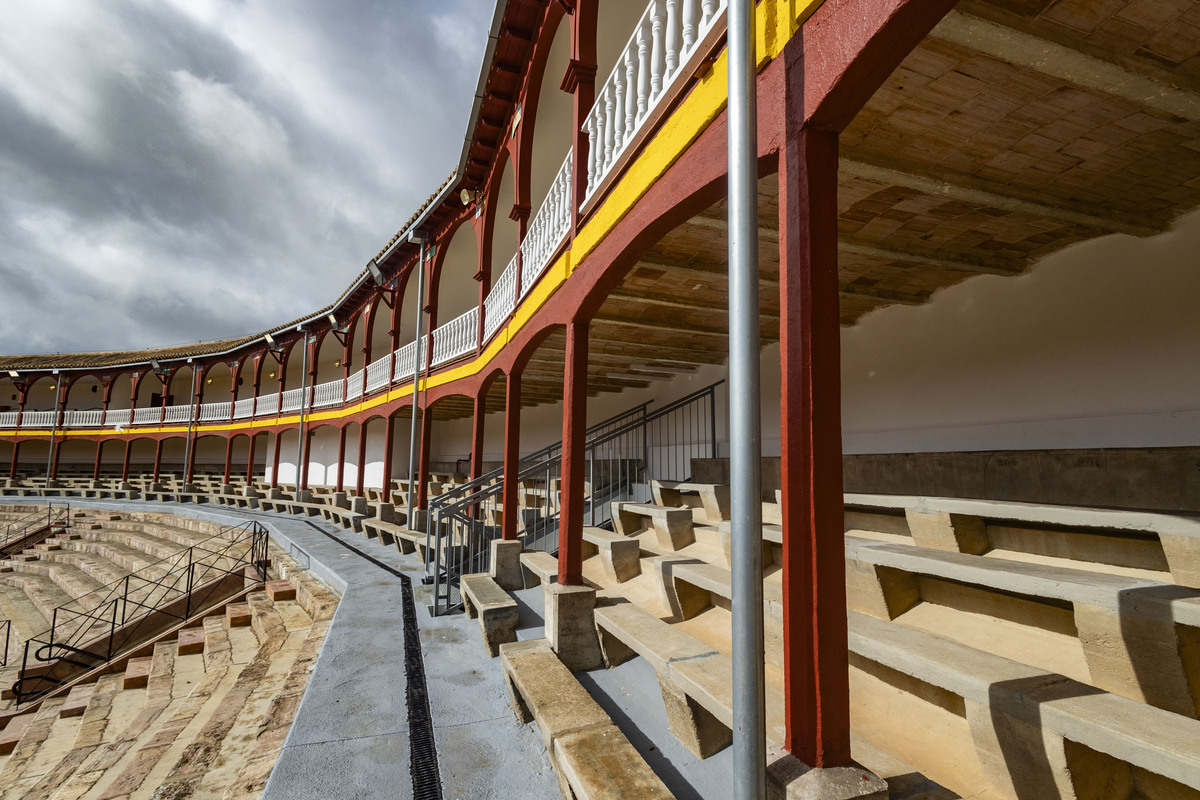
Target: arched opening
[
  {"x": 33, "y": 456},
  {"x": 179, "y": 392},
  {"x": 42, "y": 394},
  {"x": 10, "y": 398},
  {"x": 283, "y": 452},
  {"x": 85, "y": 394},
  {"x": 381, "y": 323},
  {"x": 119, "y": 392},
  {"x": 553, "y": 119},
  {"x": 218, "y": 383},
  {"x": 505, "y": 232},
  {"x": 141, "y": 459},
  {"x": 209, "y": 460},
  {"x": 329, "y": 360},
  {"x": 322, "y": 456},
  {"x": 458, "y": 292},
  {"x": 76, "y": 458}
]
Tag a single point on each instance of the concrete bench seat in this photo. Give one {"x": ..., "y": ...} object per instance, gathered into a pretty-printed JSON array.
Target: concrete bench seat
[
  {"x": 406, "y": 540},
  {"x": 625, "y": 631},
  {"x": 590, "y": 755},
  {"x": 1136, "y": 539},
  {"x": 672, "y": 526},
  {"x": 1052, "y": 720},
  {"x": 539, "y": 567},
  {"x": 618, "y": 554},
  {"x": 496, "y": 610},
  {"x": 712, "y": 497},
  {"x": 1129, "y": 629},
  {"x": 691, "y": 586}
]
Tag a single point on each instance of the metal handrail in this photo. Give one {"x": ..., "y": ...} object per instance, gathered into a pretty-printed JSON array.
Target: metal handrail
[
  {"x": 7, "y": 625},
  {"x": 109, "y": 625},
  {"x": 38, "y": 520},
  {"x": 621, "y": 464}
]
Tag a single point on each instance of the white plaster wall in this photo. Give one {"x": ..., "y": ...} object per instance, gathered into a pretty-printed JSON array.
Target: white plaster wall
[{"x": 1097, "y": 346}]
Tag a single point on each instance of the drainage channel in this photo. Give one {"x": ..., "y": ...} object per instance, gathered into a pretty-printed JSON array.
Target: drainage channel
[{"x": 423, "y": 761}]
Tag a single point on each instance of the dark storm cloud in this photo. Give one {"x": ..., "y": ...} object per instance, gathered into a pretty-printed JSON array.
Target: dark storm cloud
[{"x": 198, "y": 169}]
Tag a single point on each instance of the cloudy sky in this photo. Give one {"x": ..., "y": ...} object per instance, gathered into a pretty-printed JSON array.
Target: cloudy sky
[{"x": 180, "y": 170}]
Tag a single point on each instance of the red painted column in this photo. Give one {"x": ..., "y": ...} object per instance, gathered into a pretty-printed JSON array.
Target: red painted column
[
  {"x": 814, "y": 574},
  {"x": 307, "y": 434},
  {"x": 12, "y": 467},
  {"x": 250, "y": 461},
  {"x": 125, "y": 463},
  {"x": 275, "y": 462},
  {"x": 388, "y": 431},
  {"x": 341, "y": 465},
  {"x": 158, "y": 448},
  {"x": 228, "y": 460},
  {"x": 570, "y": 530},
  {"x": 362, "y": 458},
  {"x": 512, "y": 452},
  {"x": 54, "y": 460},
  {"x": 99, "y": 452},
  {"x": 477, "y": 423},
  {"x": 423, "y": 459}
]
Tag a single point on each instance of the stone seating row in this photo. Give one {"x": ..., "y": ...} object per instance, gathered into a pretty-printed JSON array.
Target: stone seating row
[{"x": 1133, "y": 633}]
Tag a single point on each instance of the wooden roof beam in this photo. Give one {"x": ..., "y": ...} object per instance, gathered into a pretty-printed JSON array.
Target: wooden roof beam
[
  {"x": 982, "y": 193},
  {"x": 1030, "y": 51}
]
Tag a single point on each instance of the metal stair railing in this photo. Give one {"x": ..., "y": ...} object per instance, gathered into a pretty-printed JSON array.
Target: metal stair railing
[
  {"x": 55, "y": 515},
  {"x": 122, "y": 615},
  {"x": 622, "y": 458}
]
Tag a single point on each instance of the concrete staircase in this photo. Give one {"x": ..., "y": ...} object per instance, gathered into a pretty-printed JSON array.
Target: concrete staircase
[{"x": 203, "y": 715}]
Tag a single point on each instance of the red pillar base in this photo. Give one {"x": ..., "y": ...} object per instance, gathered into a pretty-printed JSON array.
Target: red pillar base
[{"x": 789, "y": 778}]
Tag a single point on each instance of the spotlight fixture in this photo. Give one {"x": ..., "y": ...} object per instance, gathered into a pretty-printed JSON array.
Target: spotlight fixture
[
  {"x": 12, "y": 373},
  {"x": 332, "y": 320},
  {"x": 337, "y": 362},
  {"x": 208, "y": 381},
  {"x": 271, "y": 374},
  {"x": 154, "y": 365},
  {"x": 376, "y": 272},
  {"x": 270, "y": 340}
]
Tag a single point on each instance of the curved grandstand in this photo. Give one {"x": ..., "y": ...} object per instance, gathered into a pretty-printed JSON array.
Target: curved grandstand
[{"x": 979, "y": 539}]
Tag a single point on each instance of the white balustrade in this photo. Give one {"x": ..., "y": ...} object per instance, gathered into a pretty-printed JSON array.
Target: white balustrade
[
  {"x": 548, "y": 229},
  {"x": 456, "y": 338},
  {"x": 664, "y": 40},
  {"x": 501, "y": 300},
  {"x": 215, "y": 412},
  {"x": 8, "y": 419},
  {"x": 243, "y": 408},
  {"x": 92, "y": 418},
  {"x": 291, "y": 400},
  {"x": 178, "y": 414},
  {"x": 405, "y": 358},
  {"x": 147, "y": 416},
  {"x": 377, "y": 374},
  {"x": 354, "y": 385},
  {"x": 268, "y": 405},
  {"x": 328, "y": 394},
  {"x": 118, "y": 417}
]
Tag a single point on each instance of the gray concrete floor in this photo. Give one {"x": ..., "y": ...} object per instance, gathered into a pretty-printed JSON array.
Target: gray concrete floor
[{"x": 350, "y": 736}]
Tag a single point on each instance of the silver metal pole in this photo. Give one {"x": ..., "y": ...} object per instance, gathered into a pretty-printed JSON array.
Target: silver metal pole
[
  {"x": 303, "y": 399},
  {"x": 745, "y": 450},
  {"x": 412, "y": 436},
  {"x": 53, "y": 428}
]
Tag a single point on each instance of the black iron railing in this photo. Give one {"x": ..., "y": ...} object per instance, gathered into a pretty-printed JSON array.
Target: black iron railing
[
  {"x": 6, "y": 625},
  {"x": 110, "y": 621},
  {"x": 623, "y": 456},
  {"x": 17, "y": 532}
]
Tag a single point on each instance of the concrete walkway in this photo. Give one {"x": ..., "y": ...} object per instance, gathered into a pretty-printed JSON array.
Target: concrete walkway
[{"x": 350, "y": 738}]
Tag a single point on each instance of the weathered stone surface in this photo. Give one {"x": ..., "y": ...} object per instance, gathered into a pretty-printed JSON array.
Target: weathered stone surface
[
  {"x": 506, "y": 563},
  {"x": 570, "y": 627},
  {"x": 788, "y": 778}
]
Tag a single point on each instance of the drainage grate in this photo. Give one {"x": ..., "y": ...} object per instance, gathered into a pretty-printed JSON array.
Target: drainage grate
[{"x": 422, "y": 751}]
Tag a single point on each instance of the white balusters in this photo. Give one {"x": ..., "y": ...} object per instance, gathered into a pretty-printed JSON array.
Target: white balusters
[
  {"x": 547, "y": 229},
  {"x": 268, "y": 405},
  {"x": 215, "y": 412},
  {"x": 118, "y": 418},
  {"x": 455, "y": 338},
  {"x": 147, "y": 416},
  {"x": 354, "y": 385},
  {"x": 8, "y": 419},
  {"x": 689, "y": 24},
  {"x": 327, "y": 394},
  {"x": 501, "y": 300},
  {"x": 243, "y": 408},
  {"x": 377, "y": 374},
  {"x": 666, "y": 37}
]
